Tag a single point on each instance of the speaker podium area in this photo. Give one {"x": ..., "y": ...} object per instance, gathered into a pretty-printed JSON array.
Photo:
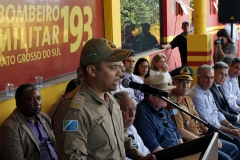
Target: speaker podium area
[{"x": 204, "y": 148}]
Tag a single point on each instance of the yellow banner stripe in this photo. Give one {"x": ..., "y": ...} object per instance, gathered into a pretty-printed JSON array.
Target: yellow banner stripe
[{"x": 199, "y": 58}]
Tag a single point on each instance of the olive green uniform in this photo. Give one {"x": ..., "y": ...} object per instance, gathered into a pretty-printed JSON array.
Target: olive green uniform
[
  {"x": 181, "y": 119},
  {"x": 99, "y": 133}
]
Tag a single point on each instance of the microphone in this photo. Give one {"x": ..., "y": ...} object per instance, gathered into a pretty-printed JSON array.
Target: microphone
[{"x": 127, "y": 83}]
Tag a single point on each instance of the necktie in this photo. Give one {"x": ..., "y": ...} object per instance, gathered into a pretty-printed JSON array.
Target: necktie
[
  {"x": 220, "y": 91},
  {"x": 222, "y": 96}
]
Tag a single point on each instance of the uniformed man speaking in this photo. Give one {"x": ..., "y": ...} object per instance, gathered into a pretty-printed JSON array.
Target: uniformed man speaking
[{"x": 89, "y": 125}]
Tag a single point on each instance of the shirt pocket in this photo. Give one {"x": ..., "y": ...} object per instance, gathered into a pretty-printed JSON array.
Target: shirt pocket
[{"x": 108, "y": 132}]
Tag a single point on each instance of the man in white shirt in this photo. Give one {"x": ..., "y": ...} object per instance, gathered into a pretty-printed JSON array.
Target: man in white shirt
[
  {"x": 129, "y": 63},
  {"x": 128, "y": 108},
  {"x": 230, "y": 86},
  {"x": 235, "y": 36}
]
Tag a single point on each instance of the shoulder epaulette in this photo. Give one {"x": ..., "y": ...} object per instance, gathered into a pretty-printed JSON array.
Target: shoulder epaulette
[{"x": 77, "y": 101}]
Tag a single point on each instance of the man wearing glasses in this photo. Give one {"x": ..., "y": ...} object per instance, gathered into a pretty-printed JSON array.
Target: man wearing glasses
[
  {"x": 128, "y": 107},
  {"x": 153, "y": 121}
]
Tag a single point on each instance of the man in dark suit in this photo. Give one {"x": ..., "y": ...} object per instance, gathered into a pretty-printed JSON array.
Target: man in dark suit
[{"x": 220, "y": 74}]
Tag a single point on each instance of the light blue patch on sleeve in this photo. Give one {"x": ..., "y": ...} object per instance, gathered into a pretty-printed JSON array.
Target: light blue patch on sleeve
[
  {"x": 173, "y": 111},
  {"x": 70, "y": 125}
]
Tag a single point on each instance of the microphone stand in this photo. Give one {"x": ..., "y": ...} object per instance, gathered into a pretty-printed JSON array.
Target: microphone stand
[{"x": 208, "y": 125}]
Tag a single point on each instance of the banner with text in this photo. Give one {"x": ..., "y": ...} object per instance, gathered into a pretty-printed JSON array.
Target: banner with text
[{"x": 45, "y": 37}]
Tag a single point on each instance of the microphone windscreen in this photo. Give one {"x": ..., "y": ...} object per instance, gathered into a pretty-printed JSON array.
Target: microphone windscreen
[{"x": 125, "y": 83}]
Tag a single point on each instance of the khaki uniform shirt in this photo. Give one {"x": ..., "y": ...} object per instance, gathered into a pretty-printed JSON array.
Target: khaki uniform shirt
[
  {"x": 181, "y": 119},
  {"x": 98, "y": 132}
]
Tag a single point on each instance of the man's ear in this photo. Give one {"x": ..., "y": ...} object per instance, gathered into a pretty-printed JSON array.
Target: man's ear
[
  {"x": 198, "y": 78},
  {"x": 151, "y": 98},
  {"x": 91, "y": 70},
  {"x": 18, "y": 103},
  {"x": 173, "y": 82}
]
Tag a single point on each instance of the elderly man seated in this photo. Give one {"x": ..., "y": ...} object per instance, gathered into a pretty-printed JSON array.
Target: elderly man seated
[
  {"x": 128, "y": 107},
  {"x": 27, "y": 132},
  {"x": 153, "y": 121}
]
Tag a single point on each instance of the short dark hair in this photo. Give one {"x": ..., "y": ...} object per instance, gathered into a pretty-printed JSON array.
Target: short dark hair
[
  {"x": 20, "y": 92},
  {"x": 227, "y": 59},
  {"x": 235, "y": 60},
  {"x": 136, "y": 70},
  {"x": 97, "y": 65},
  {"x": 146, "y": 25},
  {"x": 74, "y": 83},
  {"x": 220, "y": 65}
]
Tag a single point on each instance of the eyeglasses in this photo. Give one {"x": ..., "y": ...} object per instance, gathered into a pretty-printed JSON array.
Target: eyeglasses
[
  {"x": 127, "y": 110},
  {"x": 133, "y": 140},
  {"x": 143, "y": 67},
  {"x": 163, "y": 118}
]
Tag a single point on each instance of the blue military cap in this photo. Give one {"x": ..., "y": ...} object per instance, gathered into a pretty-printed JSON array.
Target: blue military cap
[{"x": 184, "y": 73}]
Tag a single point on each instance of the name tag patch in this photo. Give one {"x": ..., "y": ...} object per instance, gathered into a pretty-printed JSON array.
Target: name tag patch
[
  {"x": 101, "y": 117},
  {"x": 70, "y": 125}
]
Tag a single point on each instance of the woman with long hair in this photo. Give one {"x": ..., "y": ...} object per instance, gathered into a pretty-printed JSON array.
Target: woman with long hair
[{"x": 224, "y": 46}]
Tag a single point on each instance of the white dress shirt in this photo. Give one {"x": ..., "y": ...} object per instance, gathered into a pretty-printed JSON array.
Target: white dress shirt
[
  {"x": 205, "y": 106},
  {"x": 231, "y": 92},
  {"x": 138, "y": 141}
]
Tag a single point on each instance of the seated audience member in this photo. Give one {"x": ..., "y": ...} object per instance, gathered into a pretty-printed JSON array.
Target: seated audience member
[
  {"x": 144, "y": 41},
  {"x": 122, "y": 76},
  {"x": 129, "y": 66},
  {"x": 227, "y": 59},
  {"x": 159, "y": 66},
  {"x": 153, "y": 121},
  {"x": 189, "y": 127},
  {"x": 204, "y": 104},
  {"x": 230, "y": 86},
  {"x": 74, "y": 83},
  {"x": 142, "y": 68},
  {"x": 220, "y": 74},
  {"x": 127, "y": 37},
  {"x": 27, "y": 132},
  {"x": 127, "y": 105},
  {"x": 80, "y": 74},
  {"x": 224, "y": 47}
]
